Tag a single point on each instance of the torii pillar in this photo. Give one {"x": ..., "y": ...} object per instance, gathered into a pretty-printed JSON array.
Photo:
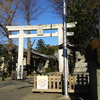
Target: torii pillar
[{"x": 39, "y": 29}]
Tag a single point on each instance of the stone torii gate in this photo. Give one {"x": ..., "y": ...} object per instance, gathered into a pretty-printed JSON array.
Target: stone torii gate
[{"x": 39, "y": 29}]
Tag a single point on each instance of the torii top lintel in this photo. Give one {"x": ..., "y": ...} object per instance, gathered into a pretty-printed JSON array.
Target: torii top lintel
[{"x": 44, "y": 27}]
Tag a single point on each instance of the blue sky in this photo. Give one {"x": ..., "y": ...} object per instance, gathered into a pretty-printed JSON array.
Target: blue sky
[{"x": 47, "y": 17}]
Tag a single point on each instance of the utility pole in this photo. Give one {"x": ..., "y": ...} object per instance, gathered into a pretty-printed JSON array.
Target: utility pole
[{"x": 65, "y": 48}]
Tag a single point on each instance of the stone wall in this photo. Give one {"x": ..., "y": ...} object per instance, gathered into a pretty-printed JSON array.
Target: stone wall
[{"x": 94, "y": 72}]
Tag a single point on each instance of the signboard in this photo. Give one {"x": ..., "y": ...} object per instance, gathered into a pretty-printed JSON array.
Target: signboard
[
  {"x": 42, "y": 82},
  {"x": 20, "y": 72}
]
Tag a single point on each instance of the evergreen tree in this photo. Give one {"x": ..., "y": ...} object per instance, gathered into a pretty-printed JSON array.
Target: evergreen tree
[
  {"x": 87, "y": 20},
  {"x": 40, "y": 47},
  {"x": 45, "y": 48},
  {"x": 50, "y": 50},
  {"x": 85, "y": 13}
]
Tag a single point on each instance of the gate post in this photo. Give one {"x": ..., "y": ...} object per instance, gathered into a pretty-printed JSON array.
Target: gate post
[{"x": 60, "y": 51}]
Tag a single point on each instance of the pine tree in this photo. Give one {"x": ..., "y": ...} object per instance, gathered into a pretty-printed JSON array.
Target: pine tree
[{"x": 40, "y": 47}]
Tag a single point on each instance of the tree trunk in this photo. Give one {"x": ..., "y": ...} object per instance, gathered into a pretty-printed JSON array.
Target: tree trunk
[
  {"x": 9, "y": 46},
  {"x": 28, "y": 51}
]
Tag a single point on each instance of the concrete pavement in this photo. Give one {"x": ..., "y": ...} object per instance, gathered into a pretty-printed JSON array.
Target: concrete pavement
[{"x": 22, "y": 90}]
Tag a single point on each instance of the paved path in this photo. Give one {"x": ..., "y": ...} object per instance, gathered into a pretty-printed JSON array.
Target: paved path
[{"x": 22, "y": 90}]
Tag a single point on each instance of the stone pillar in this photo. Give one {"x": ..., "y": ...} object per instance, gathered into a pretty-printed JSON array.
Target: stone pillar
[
  {"x": 60, "y": 51},
  {"x": 20, "y": 55}
]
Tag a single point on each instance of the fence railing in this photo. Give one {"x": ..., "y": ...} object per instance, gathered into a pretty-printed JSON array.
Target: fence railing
[
  {"x": 54, "y": 84},
  {"x": 76, "y": 83},
  {"x": 82, "y": 82}
]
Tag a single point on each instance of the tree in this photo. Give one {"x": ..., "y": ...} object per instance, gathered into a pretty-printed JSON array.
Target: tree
[
  {"x": 45, "y": 48},
  {"x": 8, "y": 9},
  {"x": 50, "y": 50},
  {"x": 7, "y": 59},
  {"x": 30, "y": 10},
  {"x": 57, "y": 6},
  {"x": 84, "y": 12},
  {"x": 8, "y": 12},
  {"x": 2, "y": 50},
  {"x": 86, "y": 18},
  {"x": 40, "y": 47}
]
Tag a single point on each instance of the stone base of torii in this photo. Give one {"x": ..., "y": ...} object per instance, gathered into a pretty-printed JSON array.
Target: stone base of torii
[{"x": 39, "y": 28}]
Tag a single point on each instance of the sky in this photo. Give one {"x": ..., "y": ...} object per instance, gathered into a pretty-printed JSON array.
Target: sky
[{"x": 46, "y": 17}]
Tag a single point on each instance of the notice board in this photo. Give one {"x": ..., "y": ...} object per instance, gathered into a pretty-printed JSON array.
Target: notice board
[{"x": 42, "y": 82}]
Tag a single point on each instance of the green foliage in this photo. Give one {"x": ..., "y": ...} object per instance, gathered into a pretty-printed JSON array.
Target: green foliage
[
  {"x": 3, "y": 52},
  {"x": 85, "y": 13},
  {"x": 86, "y": 18},
  {"x": 40, "y": 47},
  {"x": 49, "y": 69},
  {"x": 45, "y": 49},
  {"x": 7, "y": 58},
  {"x": 93, "y": 51},
  {"x": 50, "y": 50}
]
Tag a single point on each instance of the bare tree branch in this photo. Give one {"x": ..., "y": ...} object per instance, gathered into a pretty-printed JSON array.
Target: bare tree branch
[
  {"x": 33, "y": 43},
  {"x": 8, "y": 9}
]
